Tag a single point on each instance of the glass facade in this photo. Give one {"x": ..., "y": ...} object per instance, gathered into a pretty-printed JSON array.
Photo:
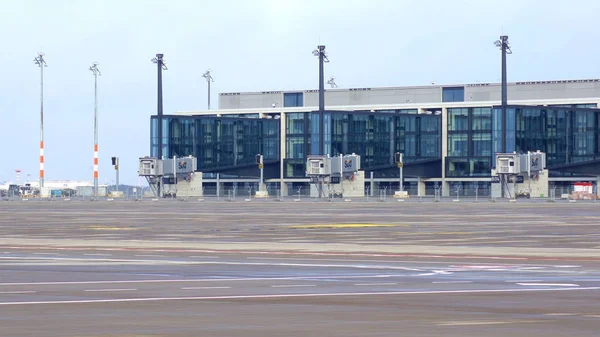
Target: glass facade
[
  {"x": 567, "y": 135},
  {"x": 217, "y": 142},
  {"x": 469, "y": 142},
  {"x": 374, "y": 136}
]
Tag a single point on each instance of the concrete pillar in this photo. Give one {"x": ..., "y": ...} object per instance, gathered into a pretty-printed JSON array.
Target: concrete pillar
[
  {"x": 283, "y": 188},
  {"x": 421, "y": 191},
  {"x": 372, "y": 186},
  {"x": 282, "y": 142},
  {"x": 445, "y": 188},
  {"x": 444, "y": 141}
]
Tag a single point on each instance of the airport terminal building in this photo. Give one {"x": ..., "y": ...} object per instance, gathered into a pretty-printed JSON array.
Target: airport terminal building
[{"x": 448, "y": 134}]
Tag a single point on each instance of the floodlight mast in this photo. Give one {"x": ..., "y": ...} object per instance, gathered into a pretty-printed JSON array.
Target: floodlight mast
[
  {"x": 332, "y": 83},
  {"x": 209, "y": 79},
  {"x": 320, "y": 52},
  {"x": 505, "y": 48},
  {"x": 94, "y": 69},
  {"x": 39, "y": 60},
  {"x": 160, "y": 65}
]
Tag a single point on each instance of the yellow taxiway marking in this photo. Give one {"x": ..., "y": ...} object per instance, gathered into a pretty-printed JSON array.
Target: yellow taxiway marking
[{"x": 344, "y": 225}]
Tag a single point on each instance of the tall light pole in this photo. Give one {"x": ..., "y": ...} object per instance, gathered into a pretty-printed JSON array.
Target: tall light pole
[
  {"x": 505, "y": 47},
  {"x": 94, "y": 69},
  {"x": 209, "y": 79},
  {"x": 39, "y": 60},
  {"x": 160, "y": 65},
  {"x": 320, "y": 52}
]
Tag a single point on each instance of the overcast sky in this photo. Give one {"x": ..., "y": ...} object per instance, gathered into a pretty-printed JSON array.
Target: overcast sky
[{"x": 250, "y": 45}]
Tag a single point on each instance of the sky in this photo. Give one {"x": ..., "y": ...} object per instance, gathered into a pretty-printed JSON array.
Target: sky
[{"x": 249, "y": 45}]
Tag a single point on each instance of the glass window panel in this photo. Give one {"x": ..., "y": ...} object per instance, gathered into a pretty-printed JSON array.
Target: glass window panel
[
  {"x": 458, "y": 145},
  {"x": 458, "y": 119},
  {"x": 293, "y": 99}
]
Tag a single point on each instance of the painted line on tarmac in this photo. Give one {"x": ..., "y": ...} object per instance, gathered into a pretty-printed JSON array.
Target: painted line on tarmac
[
  {"x": 312, "y": 265},
  {"x": 206, "y": 280},
  {"x": 249, "y": 252},
  {"x": 560, "y": 314},
  {"x": 110, "y": 290},
  {"x": 268, "y": 296},
  {"x": 467, "y": 323},
  {"x": 524, "y": 281},
  {"x": 201, "y": 288},
  {"x": 375, "y": 284},
  {"x": 452, "y": 282},
  {"x": 18, "y": 292},
  {"x": 292, "y": 285},
  {"x": 98, "y": 254},
  {"x": 549, "y": 284},
  {"x": 522, "y": 265},
  {"x": 203, "y": 257},
  {"x": 344, "y": 225}
]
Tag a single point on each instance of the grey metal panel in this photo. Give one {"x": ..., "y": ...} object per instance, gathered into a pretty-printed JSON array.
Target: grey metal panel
[
  {"x": 182, "y": 165},
  {"x": 250, "y": 101},
  {"x": 421, "y": 94}
]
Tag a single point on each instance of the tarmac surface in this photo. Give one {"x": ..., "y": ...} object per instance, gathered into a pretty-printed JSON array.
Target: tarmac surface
[{"x": 266, "y": 268}]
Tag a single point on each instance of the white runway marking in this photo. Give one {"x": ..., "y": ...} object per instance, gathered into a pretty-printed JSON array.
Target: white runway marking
[
  {"x": 45, "y": 253},
  {"x": 204, "y": 257},
  {"x": 463, "y": 323},
  {"x": 230, "y": 297},
  {"x": 524, "y": 281},
  {"x": 452, "y": 282},
  {"x": 205, "y": 280},
  {"x": 292, "y": 285},
  {"x": 149, "y": 255},
  {"x": 218, "y": 263},
  {"x": 18, "y": 292},
  {"x": 110, "y": 290},
  {"x": 199, "y": 288},
  {"x": 560, "y": 314},
  {"x": 375, "y": 284},
  {"x": 98, "y": 254},
  {"x": 549, "y": 284}
]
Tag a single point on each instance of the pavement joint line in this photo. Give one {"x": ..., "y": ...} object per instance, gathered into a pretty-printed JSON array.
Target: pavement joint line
[{"x": 268, "y": 296}]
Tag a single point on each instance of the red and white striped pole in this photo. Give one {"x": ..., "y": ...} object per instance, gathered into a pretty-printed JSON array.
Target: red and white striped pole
[
  {"x": 96, "y": 71},
  {"x": 96, "y": 169},
  {"x": 39, "y": 60},
  {"x": 42, "y": 162}
]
